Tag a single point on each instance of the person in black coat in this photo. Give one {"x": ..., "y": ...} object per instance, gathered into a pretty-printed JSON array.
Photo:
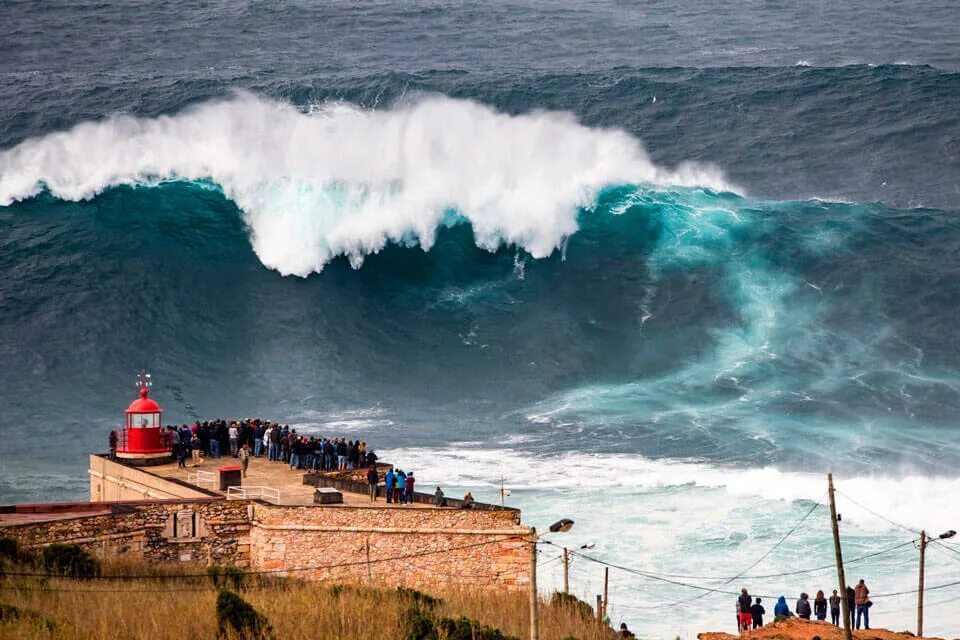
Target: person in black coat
[
  {"x": 757, "y": 611},
  {"x": 851, "y": 604}
]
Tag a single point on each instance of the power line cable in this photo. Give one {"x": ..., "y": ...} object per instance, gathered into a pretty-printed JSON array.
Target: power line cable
[
  {"x": 944, "y": 546},
  {"x": 651, "y": 576},
  {"x": 785, "y": 573},
  {"x": 275, "y": 571},
  {"x": 902, "y": 593},
  {"x": 942, "y": 551},
  {"x": 882, "y": 517},
  {"x": 926, "y": 605},
  {"x": 764, "y": 556},
  {"x": 667, "y": 578}
]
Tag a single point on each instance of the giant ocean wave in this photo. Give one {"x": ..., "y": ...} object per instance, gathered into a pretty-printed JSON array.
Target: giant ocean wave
[
  {"x": 515, "y": 295},
  {"x": 338, "y": 180},
  {"x": 563, "y": 273}
]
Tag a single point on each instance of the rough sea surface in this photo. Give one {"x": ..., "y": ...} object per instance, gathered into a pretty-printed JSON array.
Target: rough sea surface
[{"x": 659, "y": 266}]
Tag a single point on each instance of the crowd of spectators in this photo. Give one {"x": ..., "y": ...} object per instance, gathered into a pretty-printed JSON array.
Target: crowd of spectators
[
  {"x": 278, "y": 443},
  {"x": 750, "y": 614}
]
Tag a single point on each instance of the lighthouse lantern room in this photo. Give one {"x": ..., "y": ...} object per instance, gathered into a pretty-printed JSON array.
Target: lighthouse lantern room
[{"x": 143, "y": 440}]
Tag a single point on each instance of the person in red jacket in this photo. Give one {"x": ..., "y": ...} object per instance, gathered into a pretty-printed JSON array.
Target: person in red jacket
[{"x": 409, "y": 488}]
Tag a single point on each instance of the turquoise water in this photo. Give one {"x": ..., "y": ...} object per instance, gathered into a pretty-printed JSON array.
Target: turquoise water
[{"x": 660, "y": 289}]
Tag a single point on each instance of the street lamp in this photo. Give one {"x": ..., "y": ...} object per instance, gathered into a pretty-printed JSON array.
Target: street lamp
[
  {"x": 923, "y": 551},
  {"x": 560, "y": 526}
]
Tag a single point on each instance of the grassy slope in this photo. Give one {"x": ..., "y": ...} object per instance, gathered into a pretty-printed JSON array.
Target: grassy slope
[{"x": 184, "y": 609}]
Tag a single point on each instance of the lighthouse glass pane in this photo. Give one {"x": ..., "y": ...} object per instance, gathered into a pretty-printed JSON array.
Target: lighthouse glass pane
[{"x": 145, "y": 420}]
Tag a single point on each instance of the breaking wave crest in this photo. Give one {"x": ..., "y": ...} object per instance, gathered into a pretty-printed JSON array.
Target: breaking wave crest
[{"x": 338, "y": 180}]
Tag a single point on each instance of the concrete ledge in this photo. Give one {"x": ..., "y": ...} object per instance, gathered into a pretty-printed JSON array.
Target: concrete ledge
[{"x": 326, "y": 480}]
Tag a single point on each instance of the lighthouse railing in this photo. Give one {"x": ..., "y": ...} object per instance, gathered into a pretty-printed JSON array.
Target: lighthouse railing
[
  {"x": 250, "y": 492},
  {"x": 200, "y": 478}
]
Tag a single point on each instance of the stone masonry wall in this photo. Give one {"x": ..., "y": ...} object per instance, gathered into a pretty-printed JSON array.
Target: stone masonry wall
[
  {"x": 207, "y": 532},
  {"x": 416, "y": 547},
  {"x": 424, "y": 548}
]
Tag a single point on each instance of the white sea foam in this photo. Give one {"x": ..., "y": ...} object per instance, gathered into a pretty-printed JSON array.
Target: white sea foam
[
  {"x": 918, "y": 501},
  {"x": 705, "y": 521},
  {"x": 340, "y": 180}
]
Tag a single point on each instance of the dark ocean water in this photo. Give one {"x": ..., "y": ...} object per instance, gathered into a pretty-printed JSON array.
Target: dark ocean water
[{"x": 723, "y": 235}]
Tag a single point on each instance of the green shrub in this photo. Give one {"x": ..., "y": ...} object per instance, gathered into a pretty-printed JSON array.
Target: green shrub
[
  {"x": 226, "y": 576},
  {"x": 466, "y": 629},
  {"x": 421, "y": 625},
  {"x": 418, "y": 598},
  {"x": 9, "y": 613},
  {"x": 236, "y": 615},
  {"x": 9, "y": 550},
  {"x": 560, "y": 599},
  {"x": 70, "y": 561}
]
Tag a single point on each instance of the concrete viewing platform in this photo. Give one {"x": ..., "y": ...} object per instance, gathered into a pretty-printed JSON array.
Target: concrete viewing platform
[
  {"x": 281, "y": 484},
  {"x": 267, "y": 481}
]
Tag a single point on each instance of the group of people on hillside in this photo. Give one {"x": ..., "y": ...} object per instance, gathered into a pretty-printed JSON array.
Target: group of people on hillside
[{"x": 750, "y": 611}]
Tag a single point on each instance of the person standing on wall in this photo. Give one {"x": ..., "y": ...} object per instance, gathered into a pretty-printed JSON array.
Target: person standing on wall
[
  {"x": 401, "y": 489},
  {"x": 388, "y": 480},
  {"x": 113, "y": 444},
  {"x": 244, "y": 454},
  {"x": 409, "y": 489},
  {"x": 195, "y": 449},
  {"x": 234, "y": 434},
  {"x": 373, "y": 478}
]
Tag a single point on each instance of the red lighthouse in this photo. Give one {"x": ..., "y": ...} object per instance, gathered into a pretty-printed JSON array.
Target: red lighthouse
[{"x": 143, "y": 440}]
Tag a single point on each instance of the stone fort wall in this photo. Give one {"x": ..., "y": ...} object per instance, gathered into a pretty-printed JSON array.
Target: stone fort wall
[
  {"x": 206, "y": 531},
  {"x": 416, "y": 547}
]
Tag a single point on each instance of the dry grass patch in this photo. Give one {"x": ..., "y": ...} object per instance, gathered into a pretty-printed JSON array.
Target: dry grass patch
[{"x": 160, "y": 606}]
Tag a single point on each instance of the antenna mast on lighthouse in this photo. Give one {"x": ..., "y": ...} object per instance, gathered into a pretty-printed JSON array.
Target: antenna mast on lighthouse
[{"x": 144, "y": 382}]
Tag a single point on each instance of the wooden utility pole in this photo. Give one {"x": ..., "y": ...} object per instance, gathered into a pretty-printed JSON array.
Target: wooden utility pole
[
  {"x": 923, "y": 550},
  {"x": 369, "y": 573},
  {"x": 845, "y": 602},
  {"x": 606, "y": 583},
  {"x": 534, "y": 613},
  {"x": 566, "y": 571},
  {"x": 599, "y": 610}
]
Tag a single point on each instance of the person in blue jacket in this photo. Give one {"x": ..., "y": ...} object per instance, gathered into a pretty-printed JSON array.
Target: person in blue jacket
[
  {"x": 782, "y": 608},
  {"x": 400, "y": 495},
  {"x": 388, "y": 483}
]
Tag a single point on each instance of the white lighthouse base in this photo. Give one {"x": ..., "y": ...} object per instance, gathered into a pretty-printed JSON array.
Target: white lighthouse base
[{"x": 144, "y": 459}]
